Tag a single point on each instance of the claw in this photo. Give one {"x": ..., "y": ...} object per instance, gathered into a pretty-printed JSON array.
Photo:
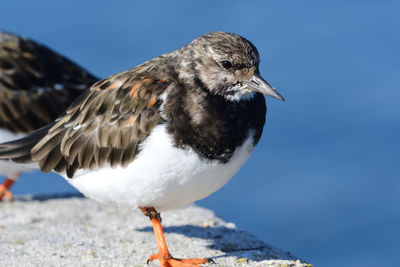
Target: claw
[{"x": 169, "y": 261}]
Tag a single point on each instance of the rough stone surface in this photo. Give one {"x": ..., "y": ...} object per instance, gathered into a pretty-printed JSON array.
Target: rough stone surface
[{"x": 75, "y": 231}]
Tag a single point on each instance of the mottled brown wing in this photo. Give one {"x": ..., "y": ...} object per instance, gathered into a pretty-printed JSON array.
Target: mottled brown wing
[
  {"x": 36, "y": 83},
  {"x": 105, "y": 125}
]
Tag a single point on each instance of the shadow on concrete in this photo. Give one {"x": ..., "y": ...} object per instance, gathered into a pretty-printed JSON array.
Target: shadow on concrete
[
  {"x": 48, "y": 196},
  {"x": 231, "y": 241}
]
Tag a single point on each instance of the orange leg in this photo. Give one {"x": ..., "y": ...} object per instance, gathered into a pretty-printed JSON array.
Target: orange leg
[
  {"x": 163, "y": 255},
  {"x": 5, "y": 189}
]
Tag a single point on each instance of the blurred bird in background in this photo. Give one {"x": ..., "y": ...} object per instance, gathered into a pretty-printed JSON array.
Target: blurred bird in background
[{"x": 36, "y": 86}]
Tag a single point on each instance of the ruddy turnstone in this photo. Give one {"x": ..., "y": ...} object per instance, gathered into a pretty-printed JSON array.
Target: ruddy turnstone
[
  {"x": 36, "y": 86},
  {"x": 161, "y": 135}
]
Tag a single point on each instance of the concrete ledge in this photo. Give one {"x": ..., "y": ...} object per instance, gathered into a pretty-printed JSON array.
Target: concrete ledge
[{"x": 69, "y": 230}]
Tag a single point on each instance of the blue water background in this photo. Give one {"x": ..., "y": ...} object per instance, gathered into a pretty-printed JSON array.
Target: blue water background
[{"x": 324, "y": 180}]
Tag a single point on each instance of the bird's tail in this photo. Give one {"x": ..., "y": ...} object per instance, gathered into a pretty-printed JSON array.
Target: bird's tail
[{"x": 19, "y": 150}]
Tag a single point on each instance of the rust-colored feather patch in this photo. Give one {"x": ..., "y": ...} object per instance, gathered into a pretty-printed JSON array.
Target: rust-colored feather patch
[
  {"x": 152, "y": 101},
  {"x": 130, "y": 121},
  {"x": 147, "y": 80},
  {"x": 133, "y": 93}
]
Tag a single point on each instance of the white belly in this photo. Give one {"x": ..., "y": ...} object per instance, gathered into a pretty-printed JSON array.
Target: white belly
[
  {"x": 161, "y": 176},
  {"x": 8, "y": 168}
]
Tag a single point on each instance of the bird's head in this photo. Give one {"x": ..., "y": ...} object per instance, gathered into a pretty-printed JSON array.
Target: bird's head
[{"x": 228, "y": 64}]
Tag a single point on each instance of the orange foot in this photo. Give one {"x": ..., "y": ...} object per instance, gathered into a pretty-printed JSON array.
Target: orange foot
[
  {"x": 5, "y": 189},
  {"x": 163, "y": 254},
  {"x": 169, "y": 261}
]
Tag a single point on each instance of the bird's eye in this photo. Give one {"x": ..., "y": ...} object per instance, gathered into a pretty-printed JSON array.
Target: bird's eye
[{"x": 226, "y": 64}]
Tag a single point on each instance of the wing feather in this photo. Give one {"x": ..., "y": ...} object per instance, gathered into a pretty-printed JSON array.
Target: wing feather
[{"x": 105, "y": 125}]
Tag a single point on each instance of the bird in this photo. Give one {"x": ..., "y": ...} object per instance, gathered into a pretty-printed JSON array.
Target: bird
[
  {"x": 36, "y": 86},
  {"x": 161, "y": 135}
]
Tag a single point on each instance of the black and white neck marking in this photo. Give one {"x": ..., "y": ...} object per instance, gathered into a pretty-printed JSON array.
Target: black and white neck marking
[{"x": 237, "y": 93}]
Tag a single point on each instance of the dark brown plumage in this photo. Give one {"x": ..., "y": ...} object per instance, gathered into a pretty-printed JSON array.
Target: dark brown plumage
[
  {"x": 106, "y": 124},
  {"x": 36, "y": 84}
]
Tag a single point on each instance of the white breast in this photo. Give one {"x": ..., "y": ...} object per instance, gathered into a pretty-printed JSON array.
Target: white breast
[
  {"x": 161, "y": 176},
  {"x": 8, "y": 168}
]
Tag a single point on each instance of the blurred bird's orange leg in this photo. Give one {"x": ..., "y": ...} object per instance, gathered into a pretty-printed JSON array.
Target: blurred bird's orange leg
[
  {"x": 163, "y": 255},
  {"x": 5, "y": 187}
]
